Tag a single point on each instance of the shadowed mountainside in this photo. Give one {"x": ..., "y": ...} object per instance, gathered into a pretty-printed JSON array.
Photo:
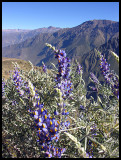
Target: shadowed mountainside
[{"x": 90, "y": 61}]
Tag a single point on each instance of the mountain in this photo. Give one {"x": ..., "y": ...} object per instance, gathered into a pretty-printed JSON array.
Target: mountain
[
  {"x": 90, "y": 61},
  {"x": 15, "y": 36},
  {"x": 78, "y": 42},
  {"x": 6, "y": 31}
]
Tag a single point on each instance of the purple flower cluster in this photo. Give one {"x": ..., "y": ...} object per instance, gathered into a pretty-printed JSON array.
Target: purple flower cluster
[
  {"x": 63, "y": 82},
  {"x": 79, "y": 69},
  {"x": 109, "y": 76},
  {"x": 62, "y": 78},
  {"x": 65, "y": 123},
  {"x": 47, "y": 129},
  {"x": 44, "y": 68},
  {"x": 65, "y": 87},
  {"x": 27, "y": 90},
  {"x": 94, "y": 78},
  {"x": 18, "y": 81},
  {"x": 55, "y": 150}
]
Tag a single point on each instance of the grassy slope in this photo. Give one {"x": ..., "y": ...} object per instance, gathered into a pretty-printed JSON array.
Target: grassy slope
[{"x": 8, "y": 66}]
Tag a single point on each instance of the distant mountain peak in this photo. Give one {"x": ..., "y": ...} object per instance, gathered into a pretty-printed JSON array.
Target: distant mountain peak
[
  {"x": 51, "y": 27},
  {"x": 15, "y": 30},
  {"x": 99, "y": 21},
  {"x": 14, "y": 36}
]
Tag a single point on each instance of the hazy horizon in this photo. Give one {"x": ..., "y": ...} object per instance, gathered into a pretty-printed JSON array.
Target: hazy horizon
[{"x": 55, "y": 26}]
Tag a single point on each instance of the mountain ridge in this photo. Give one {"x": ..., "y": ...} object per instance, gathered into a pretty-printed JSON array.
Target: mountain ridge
[
  {"x": 16, "y": 36},
  {"x": 78, "y": 42}
]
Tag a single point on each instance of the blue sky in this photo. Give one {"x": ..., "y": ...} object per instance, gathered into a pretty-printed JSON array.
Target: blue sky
[{"x": 33, "y": 15}]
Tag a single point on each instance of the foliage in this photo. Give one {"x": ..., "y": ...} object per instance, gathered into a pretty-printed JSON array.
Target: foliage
[{"x": 52, "y": 106}]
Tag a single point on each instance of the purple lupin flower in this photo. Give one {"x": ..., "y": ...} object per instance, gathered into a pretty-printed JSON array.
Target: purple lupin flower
[
  {"x": 104, "y": 65},
  {"x": 58, "y": 151},
  {"x": 109, "y": 76},
  {"x": 44, "y": 67},
  {"x": 79, "y": 69},
  {"x": 94, "y": 78},
  {"x": 47, "y": 130},
  {"x": 46, "y": 126},
  {"x": 62, "y": 78},
  {"x": 56, "y": 112},
  {"x": 48, "y": 154},
  {"x": 18, "y": 82},
  {"x": 63, "y": 81}
]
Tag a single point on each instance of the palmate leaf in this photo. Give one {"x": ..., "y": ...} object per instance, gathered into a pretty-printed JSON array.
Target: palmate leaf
[{"x": 77, "y": 144}]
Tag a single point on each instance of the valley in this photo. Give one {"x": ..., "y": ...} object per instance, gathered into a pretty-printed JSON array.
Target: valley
[{"x": 78, "y": 42}]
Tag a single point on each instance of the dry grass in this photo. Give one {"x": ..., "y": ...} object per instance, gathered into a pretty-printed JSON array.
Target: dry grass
[{"x": 7, "y": 66}]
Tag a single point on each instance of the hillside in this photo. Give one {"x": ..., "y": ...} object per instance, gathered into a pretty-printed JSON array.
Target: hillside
[
  {"x": 15, "y": 36},
  {"x": 90, "y": 61},
  {"x": 76, "y": 41},
  {"x": 79, "y": 42},
  {"x": 8, "y": 66}
]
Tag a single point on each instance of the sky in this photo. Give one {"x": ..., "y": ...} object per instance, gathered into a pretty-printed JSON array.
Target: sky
[{"x": 34, "y": 15}]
